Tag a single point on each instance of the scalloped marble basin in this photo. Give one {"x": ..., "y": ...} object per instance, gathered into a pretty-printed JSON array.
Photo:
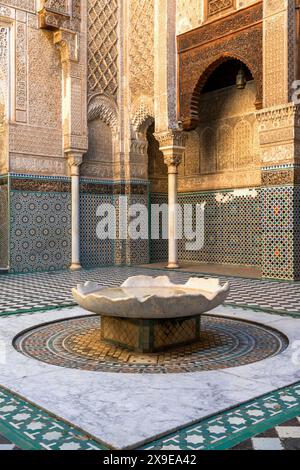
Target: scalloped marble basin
[{"x": 144, "y": 297}]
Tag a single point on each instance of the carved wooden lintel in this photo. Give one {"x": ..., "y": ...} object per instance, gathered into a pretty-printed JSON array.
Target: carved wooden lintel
[{"x": 67, "y": 16}]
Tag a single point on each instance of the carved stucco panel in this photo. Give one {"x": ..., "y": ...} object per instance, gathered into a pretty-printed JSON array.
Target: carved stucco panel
[
  {"x": 141, "y": 50},
  {"x": 4, "y": 82},
  {"x": 103, "y": 46},
  {"x": 45, "y": 80},
  {"x": 28, "y": 5},
  {"x": 21, "y": 68},
  {"x": 275, "y": 91}
]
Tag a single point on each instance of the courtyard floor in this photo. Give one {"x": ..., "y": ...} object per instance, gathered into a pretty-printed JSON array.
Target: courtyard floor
[{"x": 53, "y": 404}]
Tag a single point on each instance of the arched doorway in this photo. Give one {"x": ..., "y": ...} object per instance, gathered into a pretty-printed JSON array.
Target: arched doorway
[{"x": 221, "y": 168}]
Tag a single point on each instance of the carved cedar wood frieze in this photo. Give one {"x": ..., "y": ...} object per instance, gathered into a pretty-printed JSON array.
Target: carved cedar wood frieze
[
  {"x": 279, "y": 178},
  {"x": 202, "y": 50},
  {"x": 60, "y": 14}
]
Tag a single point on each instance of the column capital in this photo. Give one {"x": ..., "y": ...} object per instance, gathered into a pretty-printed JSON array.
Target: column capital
[
  {"x": 75, "y": 160},
  {"x": 172, "y": 145},
  {"x": 174, "y": 138}
]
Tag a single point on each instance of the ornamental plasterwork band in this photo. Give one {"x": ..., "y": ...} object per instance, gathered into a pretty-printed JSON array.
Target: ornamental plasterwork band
[{"x": 278, "y": 116}]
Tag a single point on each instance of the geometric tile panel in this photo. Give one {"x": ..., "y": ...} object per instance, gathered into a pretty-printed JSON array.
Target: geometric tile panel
[
  {"x": 94, "y": 251},
  {"x": 137, "y": 250},
  {"x": 40, "y": 231},
  {"x": 231, "y": 229},
  {"x": 3, "y": 227},
  {"x": 38, "y": 291},
  {"x": 280, "y": 232},
  {"x": 158, "y": 248},
  {"x": 228, "y": 429}
]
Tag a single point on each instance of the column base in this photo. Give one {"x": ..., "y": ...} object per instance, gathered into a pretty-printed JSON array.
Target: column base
[
  {"x": 172, "y": 266},
  {"x": 75, "y": 267}
]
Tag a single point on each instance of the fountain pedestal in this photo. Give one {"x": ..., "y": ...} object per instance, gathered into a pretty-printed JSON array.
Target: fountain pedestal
[{"x": 151, "y": 335}]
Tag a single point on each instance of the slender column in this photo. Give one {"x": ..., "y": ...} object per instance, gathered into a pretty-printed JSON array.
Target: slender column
[
  {"x": 172, "y": 202},
  {"x": 172, "y": 145},
  {"x": 75, "y": 160}
]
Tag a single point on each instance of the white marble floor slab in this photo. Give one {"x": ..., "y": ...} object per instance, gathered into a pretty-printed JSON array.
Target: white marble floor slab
[{"x": 124, "y": 410}]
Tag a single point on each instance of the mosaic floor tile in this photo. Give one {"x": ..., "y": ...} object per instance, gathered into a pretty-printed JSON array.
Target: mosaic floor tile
[
  {"x": 33, "y": 292},
  {"x": 76, "y": 343}
]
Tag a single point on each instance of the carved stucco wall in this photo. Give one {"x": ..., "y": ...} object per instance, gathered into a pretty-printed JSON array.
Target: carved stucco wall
[
  {"x": 4, "y": 81},
  {"x": 100, "y": 152},
  {"x": 44, "y": 81},
  {"x": 35, "y": 135},
  {"x": 103, "y": 47},
  {"x": 4, "y": 74},
  {"x": 223, "y": 152},
  {"x": 103, "y": 87},
  {"x": 27, "y": 5},
  {"x": 141, "y": 50}
]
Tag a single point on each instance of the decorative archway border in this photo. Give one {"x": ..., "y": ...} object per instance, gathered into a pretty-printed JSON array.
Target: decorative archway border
[
  {"x": 104, "y": 108},
  {"x": 142, "y": 112},
  {"x": 201, "y": 51}
]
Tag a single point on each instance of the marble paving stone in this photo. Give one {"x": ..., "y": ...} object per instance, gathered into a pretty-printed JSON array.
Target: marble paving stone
[
  {"x": 147, "y": 405},
  {"x": 267, "y": 444},
  {"x": 285, "y": 432}
]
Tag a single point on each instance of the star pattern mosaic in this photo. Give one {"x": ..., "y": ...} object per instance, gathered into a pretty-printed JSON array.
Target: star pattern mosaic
[{"x": 23, "y": 293}]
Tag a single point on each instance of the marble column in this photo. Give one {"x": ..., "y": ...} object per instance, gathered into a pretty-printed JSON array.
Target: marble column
[
  {"x": 172, "y": 145},
  {"x": 75, "y": 161}
]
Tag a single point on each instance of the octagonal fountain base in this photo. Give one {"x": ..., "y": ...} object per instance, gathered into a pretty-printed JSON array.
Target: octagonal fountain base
[{"x": 152, "y": 335}]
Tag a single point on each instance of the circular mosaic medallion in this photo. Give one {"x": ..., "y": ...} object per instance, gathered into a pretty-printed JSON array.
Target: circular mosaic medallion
[{"x": 75, "y": 343}]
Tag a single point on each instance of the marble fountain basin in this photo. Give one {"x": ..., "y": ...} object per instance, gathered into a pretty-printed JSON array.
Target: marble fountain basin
[
  {"x": 151, "y": 314},
  {"x": 149, "y": 298}
]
